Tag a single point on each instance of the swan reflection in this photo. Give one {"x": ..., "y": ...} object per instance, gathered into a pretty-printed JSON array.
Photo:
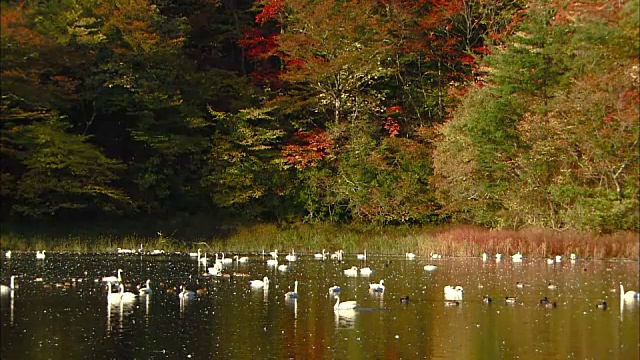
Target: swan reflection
[{"x": 345, "y": 319}]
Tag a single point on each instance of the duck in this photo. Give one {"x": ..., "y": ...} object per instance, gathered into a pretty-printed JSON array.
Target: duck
[
  {"x": 451, "y": 303},
  {"x": 146, "y": 290},
  {"x": 377, "y": 287},
  {"x": 346, "y": 305},
  {"x": 112, "y": 278},
  {"x": 353, "y": 271},
  {"x": 40, "y": 255},
  {"x": 544, "y": 301},
  {"x": 366, "y": 271},
  {"x": 334, "y": 290},
  {"x": 186, "y": 294},
  {"x": 430, "y": 267},
  {"x": 510, "y": 299},
  {"x": 519, "y": 285},
  {"x": 602, "y": 305},
  {"x": 264, "y": 283},
  {"x": 410, "y": 255},
  {"x": 292, "y": 294},
  {"x": 5, "y": 289},
  {"x": 362, "y": 256},
  {"x": 453, "y": 293},
  {"x": 404, "y": 299},
  {"x": 629, "y": 295},
  {"x": 486, "y": 299},
  {"x": 126, "y": 296},
  {"x": 550, "y": 304}
]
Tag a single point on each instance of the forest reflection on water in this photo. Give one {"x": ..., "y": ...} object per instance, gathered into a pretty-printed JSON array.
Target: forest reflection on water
[{"x": 59, "y": 309}]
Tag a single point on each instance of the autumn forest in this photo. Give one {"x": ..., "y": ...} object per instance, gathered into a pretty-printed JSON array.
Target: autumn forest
[{"x": 503, "y": 113}]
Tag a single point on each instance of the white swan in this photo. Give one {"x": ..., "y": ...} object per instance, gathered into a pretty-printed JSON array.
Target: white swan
[
  {"x": 573, "y": 257},
  {"x": 337, "y": 255},
  {"x": 365, "y": 271},
  {"x": 410, "y": 255},
  {"x": 334, "y": 290},
  {"x": 517, "y": 257},
  {"x": 377, "y": 287},
  {"x": 5, "y": 289},
  {"x": 215, "y": 270},
  {"x": 111, "y": 296},
  {"x": 8, "y": 254},
  {"x": 453, "y": 293},
  {"x": 292, "y": 256},
  {"x": 146, "y": 290},
  {"x": 498, "y": 257},
  {"x": 629, "y": 295},
  {"x": 430, "y": 267},
  {"x": 186, "y": 294},
  {"x": 346, "y": 305},
  {"x": 195, "y": 254},
  {"x": 558, "y": 258},
  {"x": 353, "y": 271},
  {"x": 264, "y": 283},
  {"x": 126, "y": 296},
  {"x": 284, "y": 267},
  {"x": 112, "y": 278},
  {"x": 550, "y": 261},
  {"x": 485, "y": 257},
  {"x": 272, "y": 262},
  {"x": 274, "y": 254},
  {"x": 362, "y": 256},
  {"x": 40, "y": 255},
  {"x": 320, "y": 256},
  {"x": 203, "y": 260},
  {"x": 226, "y": 260},
  {"x": 243, "y": 259},
  {"x": 292, "y": 294}
]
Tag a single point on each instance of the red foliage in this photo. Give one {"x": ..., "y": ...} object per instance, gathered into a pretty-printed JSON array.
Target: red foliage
[
  {"x": 308, "y": 149},
  {"x": 258, "y": 45},
  {"x": 269, "y": 11},
  {"x": 392, "y": 126}
]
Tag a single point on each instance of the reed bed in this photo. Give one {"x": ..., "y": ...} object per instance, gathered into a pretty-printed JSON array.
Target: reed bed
[{"x": 455, "y": 241}]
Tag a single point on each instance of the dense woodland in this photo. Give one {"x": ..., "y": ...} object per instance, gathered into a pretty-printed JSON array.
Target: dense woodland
[{"x": 501, "y": 113}]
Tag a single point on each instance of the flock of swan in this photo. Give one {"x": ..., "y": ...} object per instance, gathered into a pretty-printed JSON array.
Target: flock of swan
[{"x": 452, "y": 294}]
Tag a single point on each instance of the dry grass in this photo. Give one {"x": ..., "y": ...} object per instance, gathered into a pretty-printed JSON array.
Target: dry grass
[{"x": 534, "y": 243}]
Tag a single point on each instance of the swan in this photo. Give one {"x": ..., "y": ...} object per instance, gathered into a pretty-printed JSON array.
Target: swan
[
  {"x": 517, "y": 257},
  {"x": 353, "y": 271},
  {"x": 377, "y": 287},
  {"x": 195, "y": 254},
  {"x": 435, "y": 256},
  {"x": 264, "y": 283},
  {"x": 146, "y": 290},
  {"x": 573, "y": 257},
  {"x": 40, "y": 255},
  {"x": 186, "y": 294},
  {"x": 430, "y": 267},
  {"x": 112, "y": 278},
  {"x": 550, "y": 261},
  {"x": 558, "y": 258},
  {"x": 111, "y": 296},
  {"x": 337, "y": 255},
  {"x": 215, "y": 270},
  {"x": 346, "y": 305},
  {"x": 226, "y": 260},
  {"x": 292, "y": 294},
  {"x": 243, "y": 259},
  {"x": 4, "y": 289},
  {"x": 498, "y": 257},
  {"x": 485, "y": 257},
  {"x": 292, "y": 256},
  {"x": 453, "y": 293},
  {"x": 274, "y": 254},
  {"x": 552, "y": 286},
  {"x": 519, "y": 285},
  {"x": 203, "y": 260},
  {"x": 410, "y": 255},
  {"x": 272, "y": 262},
  {"x": 629, "y": 295},
  {"x": 510, "y": 299},
  {"x": 8, "y": 254},
  {"x": 126, "y": 296},
  {"x": 334, "y": 290},
  {"x": 365, "y": 271},
  {"x": 284, "y": 267},
  {"x": 320, "y": 256},
  {"x": 362, "y": 256}
]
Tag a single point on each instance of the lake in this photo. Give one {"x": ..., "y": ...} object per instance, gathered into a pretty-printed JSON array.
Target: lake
[{"x": 59, "y": 309}]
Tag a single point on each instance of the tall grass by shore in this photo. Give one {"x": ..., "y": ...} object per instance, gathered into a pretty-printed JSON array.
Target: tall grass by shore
[{"x": 457, "y": 241}]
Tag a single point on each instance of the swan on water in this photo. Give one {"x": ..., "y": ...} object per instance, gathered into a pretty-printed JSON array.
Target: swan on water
[
  {"x": 5, "y": 289},
  {"x": 517, "y": 257},
  {"x": 260, "y": 283},
  {"x": 430, "y": 267},
  {"x": 242, "y": 259},
  {"x": 226, "y": 260},
  {"x": 292, "y": 256},
  {"x": 453, "y": 293},
  {"x": 272, "y": 262},
  {"x": 346, "y": 305},
  {"x": 195, "y": 254},
  {"x": 8, "y": 254},
  {"x": 40, "y": 255},
  {"x": 111, "y": 296},
  {"x": 320, "y": 256},
  {"x": 377, "y": 287},
  {"x": 112, "y": 278},
  {"x": 362, "y": 256},
  {"x": 630, "y": 295},
  {"x": 558, "y": 258},
  {"x": 146, "y": 290},
  {"x": 485, "y": 257},
  {"x": 410, "y": 255},
  {"x": 366, "y": 271},
  {"x": 126, "y": 296},
  {"x": 353, "y": 271},
  {"x": 292, "y": 294},
  {"x": 186, "y": 294}
]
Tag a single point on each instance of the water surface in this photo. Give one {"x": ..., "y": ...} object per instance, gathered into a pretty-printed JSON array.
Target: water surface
[{"x": 60, "y": 311}]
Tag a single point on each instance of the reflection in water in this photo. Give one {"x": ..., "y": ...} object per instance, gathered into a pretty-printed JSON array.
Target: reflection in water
[{"x": 345, "y": 319}]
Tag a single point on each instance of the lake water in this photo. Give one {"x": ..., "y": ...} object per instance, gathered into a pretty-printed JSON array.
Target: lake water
[{"x": 51, "y": 316}]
